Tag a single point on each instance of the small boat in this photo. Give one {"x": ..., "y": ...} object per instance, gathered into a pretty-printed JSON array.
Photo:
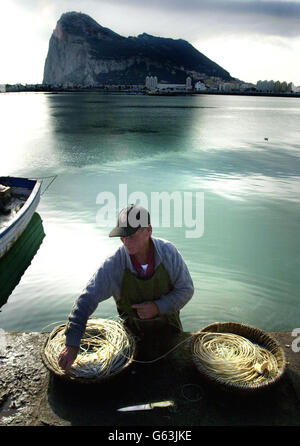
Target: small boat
[{"x": 19, "y": 198}]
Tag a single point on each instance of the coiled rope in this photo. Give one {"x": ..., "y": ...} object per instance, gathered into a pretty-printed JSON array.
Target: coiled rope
[
  {"x": 105, "y": 348},
  {"x": 231, "y": 358}
]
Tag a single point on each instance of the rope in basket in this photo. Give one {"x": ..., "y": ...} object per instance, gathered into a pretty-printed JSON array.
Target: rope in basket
[
  {"x": 234, "y": 359},
  {"x": 105, "y": 348}
]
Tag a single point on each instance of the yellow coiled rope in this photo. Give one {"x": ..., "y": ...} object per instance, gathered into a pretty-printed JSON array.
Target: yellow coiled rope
[
  {"x": 231, "y": 358},
  {"x": 105, "y": 348}
]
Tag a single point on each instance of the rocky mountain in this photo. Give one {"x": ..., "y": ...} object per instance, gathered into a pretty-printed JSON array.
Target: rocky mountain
[{"x": 83, "y": 52}]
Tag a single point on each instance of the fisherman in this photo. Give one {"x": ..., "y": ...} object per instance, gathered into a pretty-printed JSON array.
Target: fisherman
[{"x": 148, "y": 279}]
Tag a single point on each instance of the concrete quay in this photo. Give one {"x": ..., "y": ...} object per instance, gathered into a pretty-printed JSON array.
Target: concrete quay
[{"x": 30, "y": 395}]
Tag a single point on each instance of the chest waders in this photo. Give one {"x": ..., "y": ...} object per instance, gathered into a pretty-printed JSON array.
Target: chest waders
[{"x": 134, "y": 290}]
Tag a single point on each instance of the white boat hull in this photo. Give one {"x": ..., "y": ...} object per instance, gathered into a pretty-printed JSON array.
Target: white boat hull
[{"x": 10, "y": 234}]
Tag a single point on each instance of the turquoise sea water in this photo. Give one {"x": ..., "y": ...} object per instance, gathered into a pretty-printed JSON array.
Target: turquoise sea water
[{"x": 246, "y": 264}]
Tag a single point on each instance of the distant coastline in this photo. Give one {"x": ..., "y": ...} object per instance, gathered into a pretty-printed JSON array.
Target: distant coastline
[
  {"x": 111, "y": 89},
  {"x": 228, "y": 93}
]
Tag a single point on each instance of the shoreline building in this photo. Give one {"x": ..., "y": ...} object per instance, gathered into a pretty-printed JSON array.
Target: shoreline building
[
  {"x": 188, "y": 83},
  {"x": 2, "y": 88},
  {"x": 152, "y": 84},
  {"x": 274, "y": 87},
  {"x": 228, "y": 86},
  {"x": 265, "y": 86},
  {"x": 200, "y": 86}
]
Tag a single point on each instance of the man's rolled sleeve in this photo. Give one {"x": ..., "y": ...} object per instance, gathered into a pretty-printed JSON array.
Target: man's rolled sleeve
[{"x": 99, "y": 288}]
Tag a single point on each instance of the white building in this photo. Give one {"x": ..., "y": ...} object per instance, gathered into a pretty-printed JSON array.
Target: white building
[
  {"x": 200, "y": 86},
  {"x": 188, "y": 83},
  {"x": 228, "y": 86},
  {"x": 151, "y": 82},
  {"x": 2, "y": 88},
  {"x": 171, "y": 87},
  {"x": 265, "y": 86},
  {"x": 247, "y": 86}
]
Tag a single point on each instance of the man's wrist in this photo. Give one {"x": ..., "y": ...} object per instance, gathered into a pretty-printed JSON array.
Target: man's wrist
[{"x": 73, "y": 347}]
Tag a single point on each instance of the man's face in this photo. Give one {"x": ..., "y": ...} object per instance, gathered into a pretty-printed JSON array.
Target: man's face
[{"x": 136, "y": 243}]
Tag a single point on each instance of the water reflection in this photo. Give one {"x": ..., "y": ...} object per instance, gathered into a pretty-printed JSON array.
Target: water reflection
[
  {"x": 246, "y": 265},
  {"x": 89, "y": 131},
  {"x": 24, "y": 125},
  {"x": 14, "y": 264},
  {"x": 243, "y": 187}
]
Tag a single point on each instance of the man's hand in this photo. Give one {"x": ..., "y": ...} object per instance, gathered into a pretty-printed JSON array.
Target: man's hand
[
  {"x": 146, "y": 310},
  {"x": 67, "y": 357}
]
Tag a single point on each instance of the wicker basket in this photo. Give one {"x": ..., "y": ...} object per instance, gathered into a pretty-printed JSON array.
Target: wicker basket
[
  {"x": 82, "y": 380},
  {"x": 252, "y": 334}
]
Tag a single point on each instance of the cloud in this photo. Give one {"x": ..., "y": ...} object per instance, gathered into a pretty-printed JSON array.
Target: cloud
[
  {"x": 280, "y": 18},
  {"x": 189, "y": 19},
  {"x": 270, "y": 8}
]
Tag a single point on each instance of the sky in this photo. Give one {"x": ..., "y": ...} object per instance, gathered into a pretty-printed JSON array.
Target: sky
[{"x": 252, "y": 39}]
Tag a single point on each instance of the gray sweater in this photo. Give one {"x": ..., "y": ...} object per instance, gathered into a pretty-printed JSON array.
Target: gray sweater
[{"x": 106, "y": 282}]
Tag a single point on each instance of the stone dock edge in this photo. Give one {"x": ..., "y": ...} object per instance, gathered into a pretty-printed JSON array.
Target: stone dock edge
[{"x": 31, "y": 395}]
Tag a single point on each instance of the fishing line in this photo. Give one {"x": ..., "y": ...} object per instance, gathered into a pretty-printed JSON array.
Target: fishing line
[{"x": 46, "y": 178}]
